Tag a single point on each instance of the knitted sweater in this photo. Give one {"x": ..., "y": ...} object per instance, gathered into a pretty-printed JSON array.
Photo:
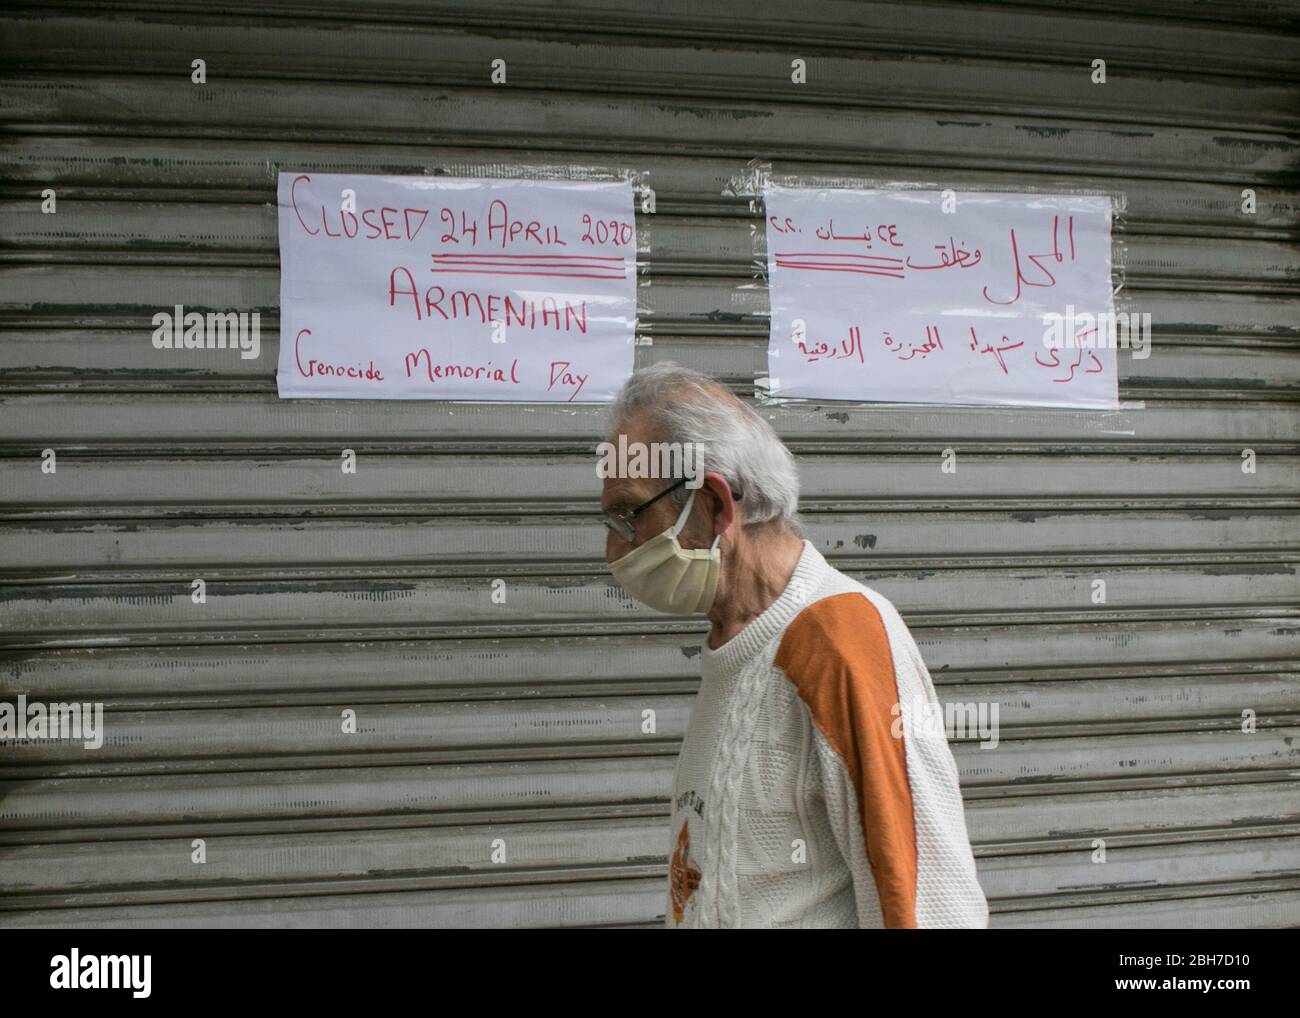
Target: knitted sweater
[{"x": 797, "y": 800}]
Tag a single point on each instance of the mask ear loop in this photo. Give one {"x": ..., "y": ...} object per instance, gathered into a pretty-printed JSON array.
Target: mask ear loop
[
  {"x": 681, "y": 519},
  {"x": 686, "y": 511}
]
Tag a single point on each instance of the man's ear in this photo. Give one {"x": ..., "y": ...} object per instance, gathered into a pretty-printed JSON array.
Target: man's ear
[{"x": 725, "y": 510}]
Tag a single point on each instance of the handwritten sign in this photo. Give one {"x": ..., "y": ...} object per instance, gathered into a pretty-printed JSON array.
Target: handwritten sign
[
  {"x": 448, "y": 288},
  {"x": 931, "y": 297}
]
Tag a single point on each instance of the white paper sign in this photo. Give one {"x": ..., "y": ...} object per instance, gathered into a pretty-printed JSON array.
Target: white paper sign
[
  {"x": 884, "y": 295},
  {"x": 447, "y": 288}
]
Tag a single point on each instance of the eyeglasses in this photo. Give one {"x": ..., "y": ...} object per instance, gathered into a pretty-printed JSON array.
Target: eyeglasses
[{"x": 621, "y": 520}]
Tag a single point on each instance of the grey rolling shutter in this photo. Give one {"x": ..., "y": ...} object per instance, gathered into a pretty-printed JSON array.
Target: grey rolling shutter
[{"x": 521, "y": 722}]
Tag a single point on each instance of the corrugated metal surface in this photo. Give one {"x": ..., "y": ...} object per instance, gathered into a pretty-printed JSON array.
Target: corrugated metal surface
[{"x": 521, "y": 721}]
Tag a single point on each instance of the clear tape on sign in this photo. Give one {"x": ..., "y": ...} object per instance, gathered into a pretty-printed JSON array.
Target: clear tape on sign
[
  {"x": 931, "y": 292},
  {"x": 493, "y": 283}
]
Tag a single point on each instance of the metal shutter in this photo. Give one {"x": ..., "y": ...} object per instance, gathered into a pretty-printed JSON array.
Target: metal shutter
[{"x": 522, "y": 721}]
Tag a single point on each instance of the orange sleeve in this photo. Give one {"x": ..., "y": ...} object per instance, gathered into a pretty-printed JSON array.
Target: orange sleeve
[{"x": 837, "y": 653}]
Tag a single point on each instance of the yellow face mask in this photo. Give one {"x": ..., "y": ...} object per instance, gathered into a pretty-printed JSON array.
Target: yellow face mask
[{"x": 667, "y": 577}]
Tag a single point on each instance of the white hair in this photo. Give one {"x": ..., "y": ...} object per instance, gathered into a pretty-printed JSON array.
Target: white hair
[{"x": 685, "y": 406}]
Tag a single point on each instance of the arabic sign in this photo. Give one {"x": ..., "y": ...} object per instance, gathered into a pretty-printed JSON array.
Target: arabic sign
[
  {"x": 446, "y": 288},
  {"x": 931, "y": 297}
]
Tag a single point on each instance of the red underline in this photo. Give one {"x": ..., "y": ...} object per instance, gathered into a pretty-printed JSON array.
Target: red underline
[
  {"x": 530, "y": 265},
  {"x": 530, "y": 257},
  {"x": 521, "y": 272},
  {"x": 831, "y": 254},
  {"x": 862, "y": 271}
]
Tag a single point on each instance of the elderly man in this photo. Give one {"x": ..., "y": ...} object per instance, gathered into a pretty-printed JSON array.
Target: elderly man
[{"x": 801, "y": 797}]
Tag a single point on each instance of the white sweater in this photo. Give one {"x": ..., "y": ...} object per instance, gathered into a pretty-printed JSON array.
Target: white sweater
[{"x": 799, "y": 798}]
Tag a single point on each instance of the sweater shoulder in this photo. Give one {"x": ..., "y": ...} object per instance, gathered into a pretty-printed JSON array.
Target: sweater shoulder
[
  {"x": 836, "y": 583},
  {"x": 844, "y": 636},
  {"x": 844, "y": 608}
]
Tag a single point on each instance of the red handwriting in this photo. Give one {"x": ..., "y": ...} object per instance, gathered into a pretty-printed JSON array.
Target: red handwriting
[
  {"x": 503, "y": 228},
  {"x": 950, "y": 256},
  {"x": 468, "y": 227},
  {"x": 932, "y": 342},
  {"x": 1055, "y": 362},
  {"x": 1030, "y": 266},
  {"x": 343, "y": 224},
  {"x": 319, "y": 369},
  {"x": 997, "y": 351},
  {"x": 886, "y": 233},
  {"x": 847, "y": 348},
  {"x": 919, "y": 350},
  {"x": 820, "y": 261},
  {"x": 1021, "y": 278},
  {"x": 526, "y": 312},
  {"x": 606, "y": 231},
  {"x": 490, "y": 237},
  {"x": 560, "y": 373},
  {"x": 474, "y": 372},
  {"x": 555, "y": 266}
]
